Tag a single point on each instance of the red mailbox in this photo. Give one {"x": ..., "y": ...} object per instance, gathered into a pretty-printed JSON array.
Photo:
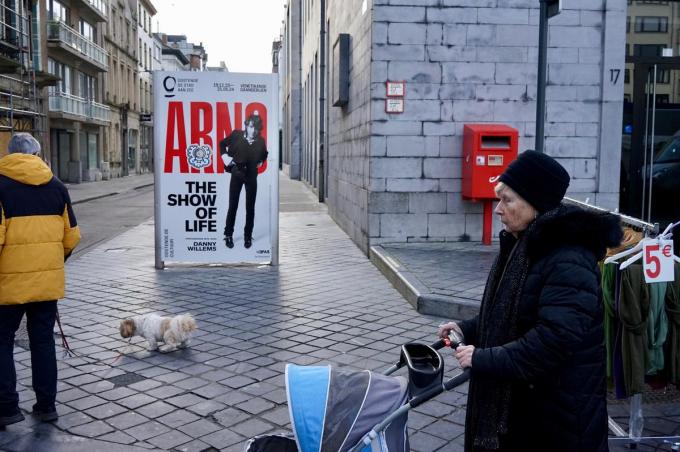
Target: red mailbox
[{"x": 487, "y": 150}]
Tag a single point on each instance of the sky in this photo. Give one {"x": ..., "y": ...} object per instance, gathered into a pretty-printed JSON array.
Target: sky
[{"x": 238, "y": 32}]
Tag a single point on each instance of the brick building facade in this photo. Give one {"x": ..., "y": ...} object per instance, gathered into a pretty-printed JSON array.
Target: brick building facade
[{"x": 397, "y": 177}]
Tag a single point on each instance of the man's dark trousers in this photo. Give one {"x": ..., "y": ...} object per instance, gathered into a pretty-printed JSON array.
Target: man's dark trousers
[
  {"x": 235, "y": 186},
  {"x": 40, "y": 317}
]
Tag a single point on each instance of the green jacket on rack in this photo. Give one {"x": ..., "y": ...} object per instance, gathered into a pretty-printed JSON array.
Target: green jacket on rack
[
  {"x": 633, "y": 313},
  {"x": 610, "y": 316},
  {"x": 657, "y": 328},
  {"x": 673, "y": 339}
]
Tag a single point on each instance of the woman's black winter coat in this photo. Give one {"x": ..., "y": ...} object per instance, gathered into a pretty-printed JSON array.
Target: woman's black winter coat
[{"x": 557, "y": 362}]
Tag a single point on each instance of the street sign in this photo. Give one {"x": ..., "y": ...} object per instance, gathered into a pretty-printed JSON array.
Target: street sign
[
  {"x": 145, "y": 117},
  {"x": 554, "y": 7}
]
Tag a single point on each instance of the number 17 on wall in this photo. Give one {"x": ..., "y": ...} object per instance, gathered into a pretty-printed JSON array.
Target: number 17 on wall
[{"x": 658, "y": 264}]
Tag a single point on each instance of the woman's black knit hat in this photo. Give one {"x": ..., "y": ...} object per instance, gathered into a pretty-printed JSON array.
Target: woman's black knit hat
[{"x": 537, "y": 178}]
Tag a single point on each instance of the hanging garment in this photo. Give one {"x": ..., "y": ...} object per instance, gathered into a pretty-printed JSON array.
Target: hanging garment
[
  {"x": 611, "y": 323},
  {"x": 673, "y": 339},
  {"x": 633, "y": 313},
  {"x": 617, "y": 359},
  {"x": 657, "y": 328}
]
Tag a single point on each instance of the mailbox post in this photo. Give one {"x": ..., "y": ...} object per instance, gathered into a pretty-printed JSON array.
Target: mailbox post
[{"x": 488, "y": 149}]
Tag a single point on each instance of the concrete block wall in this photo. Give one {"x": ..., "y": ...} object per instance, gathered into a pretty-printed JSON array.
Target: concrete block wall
[
  {"x": 289, "y": 80},
  {"x": 470, "y": 61},
  {"x": 349, "y": 136}
]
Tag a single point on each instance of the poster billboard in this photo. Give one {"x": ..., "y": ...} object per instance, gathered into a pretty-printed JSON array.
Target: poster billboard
[{"x": 216, "y": 167}]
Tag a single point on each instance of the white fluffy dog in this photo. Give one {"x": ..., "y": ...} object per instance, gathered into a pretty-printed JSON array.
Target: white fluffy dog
[{"x": 175, "y": 331}]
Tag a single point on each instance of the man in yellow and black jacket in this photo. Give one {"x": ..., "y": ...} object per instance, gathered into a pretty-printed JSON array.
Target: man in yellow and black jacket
[{"x": 38, "y": 231}]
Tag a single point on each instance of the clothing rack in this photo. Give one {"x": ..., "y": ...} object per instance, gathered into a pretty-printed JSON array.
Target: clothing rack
[
  {"x": 636, "y": 421},
  {"x": 651, "y": 229}
]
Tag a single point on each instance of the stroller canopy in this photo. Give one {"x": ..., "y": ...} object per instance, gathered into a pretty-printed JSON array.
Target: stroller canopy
[{"x": 332, "y": 409}]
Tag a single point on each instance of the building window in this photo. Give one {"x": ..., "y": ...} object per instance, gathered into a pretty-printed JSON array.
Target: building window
[
  {"x": 663, "y": 76},
  {"x": 112, "y": 22},
  {"x": 651, "y": 24},
  {"x": 87, "y": 86},
  {"x": 87, "y": 30},
  {"x": 57, "y": 11},
  {"x": 64, "y": 73},
  {"x": 647, "y": 50}
]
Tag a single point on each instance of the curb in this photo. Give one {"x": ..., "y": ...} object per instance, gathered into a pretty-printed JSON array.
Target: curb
[
  {"x": 93, "y": 198},
  {"x": 113, "y": 193},
  {"x": 416, "y": 293}
]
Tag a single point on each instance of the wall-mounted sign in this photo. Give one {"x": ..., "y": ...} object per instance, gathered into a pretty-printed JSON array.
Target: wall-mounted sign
[
  {"x": 340, "y": 71},
  {"x": 394, "y": 105},
  {"x": 395, "y": 89}
]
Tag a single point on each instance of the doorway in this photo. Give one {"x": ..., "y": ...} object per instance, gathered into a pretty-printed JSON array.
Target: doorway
[{"x": 650, "y": 157}]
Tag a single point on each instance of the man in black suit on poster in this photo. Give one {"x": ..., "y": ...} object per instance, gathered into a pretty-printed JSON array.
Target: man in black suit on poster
[{"x": 248, "y": 151}]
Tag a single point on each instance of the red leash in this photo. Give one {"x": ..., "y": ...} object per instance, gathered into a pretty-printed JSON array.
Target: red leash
[{"x": 64, "y": 342}]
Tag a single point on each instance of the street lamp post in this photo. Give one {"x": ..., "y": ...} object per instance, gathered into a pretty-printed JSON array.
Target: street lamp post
[{"x": 549, "y": 8}]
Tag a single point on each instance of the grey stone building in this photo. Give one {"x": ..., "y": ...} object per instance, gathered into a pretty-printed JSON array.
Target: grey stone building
[{"x": 397, "y": 177}]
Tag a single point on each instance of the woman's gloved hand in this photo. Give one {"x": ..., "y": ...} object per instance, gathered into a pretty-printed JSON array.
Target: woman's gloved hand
[{"x": 447, "y": 327}]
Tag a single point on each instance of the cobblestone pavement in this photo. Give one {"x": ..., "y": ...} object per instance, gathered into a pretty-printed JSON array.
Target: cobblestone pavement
[{"x": 325, "y": 303}]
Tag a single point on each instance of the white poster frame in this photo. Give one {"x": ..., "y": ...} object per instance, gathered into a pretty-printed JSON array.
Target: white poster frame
[{"x": 232, "y": 83}]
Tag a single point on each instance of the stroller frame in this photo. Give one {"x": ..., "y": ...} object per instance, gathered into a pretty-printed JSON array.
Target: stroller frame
[{"x": 372, "y": 438}]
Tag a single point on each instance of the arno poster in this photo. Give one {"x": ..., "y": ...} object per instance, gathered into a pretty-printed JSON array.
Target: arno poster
[{"x": 216, "y": 162}]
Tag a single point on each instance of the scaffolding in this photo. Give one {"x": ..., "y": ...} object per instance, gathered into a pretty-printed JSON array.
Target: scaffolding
[{"x": 21, "y": 104}]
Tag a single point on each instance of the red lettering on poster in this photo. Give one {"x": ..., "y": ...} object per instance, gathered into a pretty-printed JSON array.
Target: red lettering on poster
[
  {"x": 176, "y": 126},
  {"x": 201, "y": 131},
  {"x": 200, "y": 134},
  {"x": 222, "y": 130}
]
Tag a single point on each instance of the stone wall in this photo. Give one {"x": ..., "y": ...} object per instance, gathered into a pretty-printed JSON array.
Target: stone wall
[
  {"x": 471, "y": 61},
  {"x": 289, "y": 80},
  {"x": 349, "y": 135}
]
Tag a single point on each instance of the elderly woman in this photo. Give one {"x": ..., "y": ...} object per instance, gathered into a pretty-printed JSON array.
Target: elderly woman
[{"x": 536, "y": 349}]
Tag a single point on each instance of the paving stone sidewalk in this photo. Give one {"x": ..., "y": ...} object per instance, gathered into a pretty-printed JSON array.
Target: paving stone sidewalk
[
  {"x": 325, "y": 303},
  {"x": 90, "y": 191},
  {"x": 448, "y": 279}
]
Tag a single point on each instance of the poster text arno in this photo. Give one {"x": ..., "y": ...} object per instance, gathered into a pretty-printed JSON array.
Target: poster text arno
[{"x": 209, "y": 124}]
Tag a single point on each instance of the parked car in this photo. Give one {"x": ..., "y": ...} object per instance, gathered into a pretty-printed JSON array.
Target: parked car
[{"x": 666, "y": 182}]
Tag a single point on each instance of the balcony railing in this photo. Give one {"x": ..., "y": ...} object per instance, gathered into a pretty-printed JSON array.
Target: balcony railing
[
  {"x": 99, "y": 5},
  {"x": 57, "y": 30},
  {"x": 100, "y": 112},
  {"x": 77, "y": 106}
]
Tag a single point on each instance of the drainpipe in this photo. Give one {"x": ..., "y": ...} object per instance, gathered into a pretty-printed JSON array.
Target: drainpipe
[{"x": 322, "y": 101}]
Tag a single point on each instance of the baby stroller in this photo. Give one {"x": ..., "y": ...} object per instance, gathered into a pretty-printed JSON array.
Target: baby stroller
[{"x": 337, "y": 410}]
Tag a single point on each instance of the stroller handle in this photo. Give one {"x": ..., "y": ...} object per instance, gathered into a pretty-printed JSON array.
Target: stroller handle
[
  {"x": 452, "y": 341},
  {"x": 447, "y": 386}
]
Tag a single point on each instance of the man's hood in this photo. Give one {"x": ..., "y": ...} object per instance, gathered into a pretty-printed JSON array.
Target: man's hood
[
  {"x": 25, "y": 168},
  {"x": 571, "y": 225}
]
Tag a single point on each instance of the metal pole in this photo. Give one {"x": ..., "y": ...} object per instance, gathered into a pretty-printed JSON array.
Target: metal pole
[
  {"x": 644, "y": 164},
  {"x": 542, "y": 76},
  {"x": 651, "y": 147}
]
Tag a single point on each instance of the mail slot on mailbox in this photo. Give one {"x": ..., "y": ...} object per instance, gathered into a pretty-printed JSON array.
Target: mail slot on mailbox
[{"x": 488, "y": 149}]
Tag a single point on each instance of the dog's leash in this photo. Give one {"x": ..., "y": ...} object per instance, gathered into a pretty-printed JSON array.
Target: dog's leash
[
  {"x": 69, "y": 351},
  {"x": 64, "y": 343},
  {"x": 121, "y": 353}
]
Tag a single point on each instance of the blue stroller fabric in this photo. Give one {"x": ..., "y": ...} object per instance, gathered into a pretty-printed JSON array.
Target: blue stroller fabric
[{"x": 332, "y": 409}]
